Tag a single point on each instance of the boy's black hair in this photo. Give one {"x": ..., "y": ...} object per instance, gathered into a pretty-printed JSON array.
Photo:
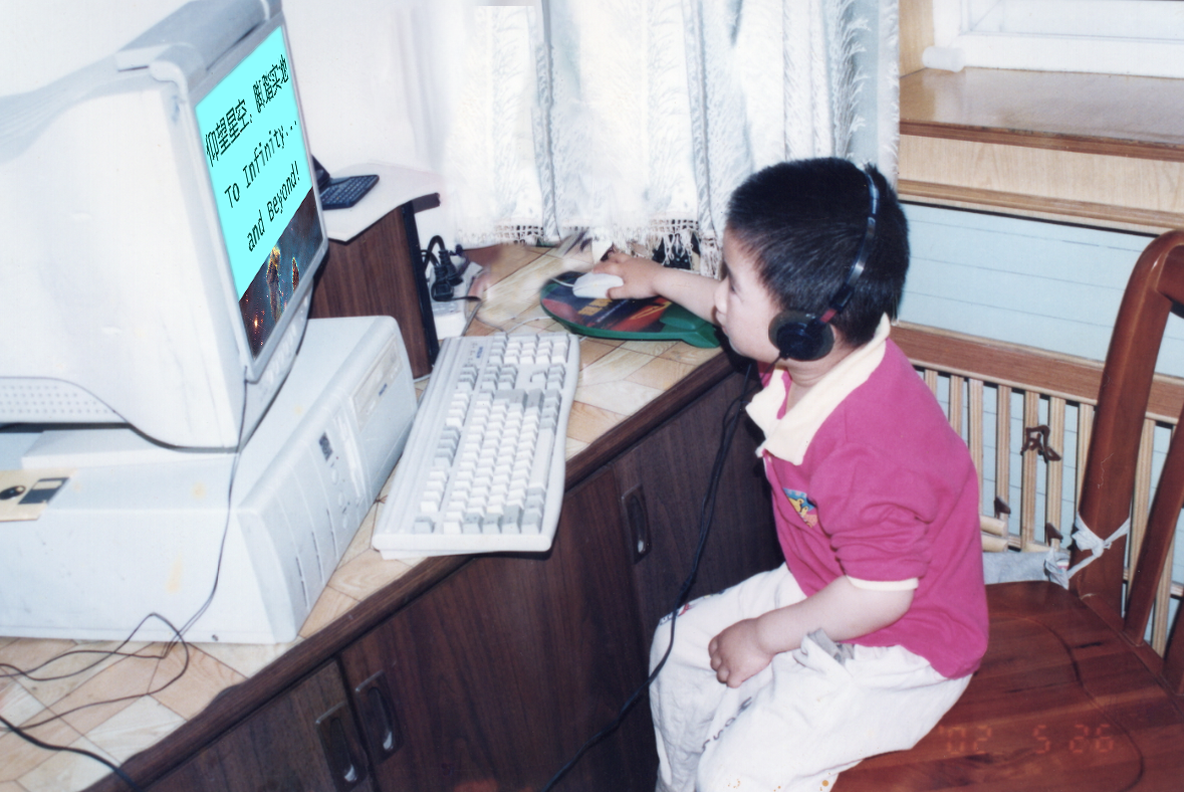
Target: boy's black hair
[{"x": 803, "y": 222}]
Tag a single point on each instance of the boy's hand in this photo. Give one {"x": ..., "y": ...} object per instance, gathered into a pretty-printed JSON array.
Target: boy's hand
[
  {"x": 640, "y": 276},
  {"x": 737, "y": 653},
  {"x": 644, "y": 278},
  {"x": 842, "y": 609}
]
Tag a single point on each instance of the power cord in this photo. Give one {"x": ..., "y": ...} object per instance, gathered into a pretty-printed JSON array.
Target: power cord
[
  {"x": 446, "y": 275},
  {"x": 477, "y": 303},
  {"x": 22, "y": 731},
  {"x": 10, "y": 671},
  {"x": 81, "y": 751},
  {"x": 706, "y": 513}
]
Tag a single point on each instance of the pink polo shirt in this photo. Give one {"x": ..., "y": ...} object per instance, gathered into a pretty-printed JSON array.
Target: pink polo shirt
[{"x": 870, "y": 481}]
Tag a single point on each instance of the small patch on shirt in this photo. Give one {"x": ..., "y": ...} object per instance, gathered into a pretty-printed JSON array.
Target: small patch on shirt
[{"x": 802, "y": 504}]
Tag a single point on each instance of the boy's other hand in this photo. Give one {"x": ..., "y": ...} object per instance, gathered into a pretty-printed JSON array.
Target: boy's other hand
[
  {"x": 737, "y": 653},
  {"x": 640, "y": 276}
]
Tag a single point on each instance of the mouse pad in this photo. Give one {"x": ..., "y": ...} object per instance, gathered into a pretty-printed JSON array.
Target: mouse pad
[{"x": 649, "y": 320}]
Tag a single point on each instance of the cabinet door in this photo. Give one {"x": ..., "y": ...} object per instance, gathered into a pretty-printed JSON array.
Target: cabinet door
[
  {"x": 306, "y": 739},
  {"x": 498, "y": 674},
  {"x": 663, "y": 481},
  {"x": 373, "y": 274}
]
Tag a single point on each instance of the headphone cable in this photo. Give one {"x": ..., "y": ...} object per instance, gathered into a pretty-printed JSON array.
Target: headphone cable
[{"x": 706, "y": 513}]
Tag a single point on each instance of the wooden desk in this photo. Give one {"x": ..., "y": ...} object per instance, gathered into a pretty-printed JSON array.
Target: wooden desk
[{"x": 495, "y": 668}]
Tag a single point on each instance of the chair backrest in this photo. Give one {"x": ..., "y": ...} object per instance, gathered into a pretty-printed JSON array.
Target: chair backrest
[{"x": 1155, "y": 285}]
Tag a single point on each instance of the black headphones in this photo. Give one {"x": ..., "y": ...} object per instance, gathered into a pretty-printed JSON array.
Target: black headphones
[{"x": 799, "y": 335}]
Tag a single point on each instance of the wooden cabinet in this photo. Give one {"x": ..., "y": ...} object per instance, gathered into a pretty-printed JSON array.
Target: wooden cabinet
[
  {"x": 380, "y": 273},
  {"x": 306, "y": 739},
  {"x": 499, "y": 674},
  {"x": 490, "y": 674},
  {"x": 664, "y": 480}
]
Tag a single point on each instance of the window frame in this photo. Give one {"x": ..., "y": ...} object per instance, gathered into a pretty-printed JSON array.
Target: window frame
[{"x": 1143, "y": 51}]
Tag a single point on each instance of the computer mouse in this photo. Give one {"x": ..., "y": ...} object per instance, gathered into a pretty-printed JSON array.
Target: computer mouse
[{"x": 595, "y": 285}]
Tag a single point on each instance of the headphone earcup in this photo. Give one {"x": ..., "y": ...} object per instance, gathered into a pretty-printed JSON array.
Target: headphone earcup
[{"x": 800, "y": 336}]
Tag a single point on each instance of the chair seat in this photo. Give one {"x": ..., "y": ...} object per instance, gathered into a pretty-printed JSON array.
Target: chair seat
[{"x": 1061, "y": 702}]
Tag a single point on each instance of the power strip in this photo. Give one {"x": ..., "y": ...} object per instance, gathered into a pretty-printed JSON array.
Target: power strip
[{"x": 452, "y": 315}]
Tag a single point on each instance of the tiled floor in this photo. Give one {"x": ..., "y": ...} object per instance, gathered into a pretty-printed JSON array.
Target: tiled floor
[{"x": 117, "y": 705}]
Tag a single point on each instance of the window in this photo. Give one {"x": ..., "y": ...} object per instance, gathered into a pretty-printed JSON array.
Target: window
[{"x": 1143, "y": 37}]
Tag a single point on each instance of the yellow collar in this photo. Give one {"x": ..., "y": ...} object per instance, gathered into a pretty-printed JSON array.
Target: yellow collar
[{"x": 789, "y": 437}]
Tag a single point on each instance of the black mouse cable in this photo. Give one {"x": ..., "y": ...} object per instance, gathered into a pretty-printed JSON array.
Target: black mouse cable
[{"x": 706, "y": 514}]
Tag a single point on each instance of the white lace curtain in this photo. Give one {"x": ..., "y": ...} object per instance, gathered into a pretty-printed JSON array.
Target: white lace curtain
[{"x": 637, "y": 118}]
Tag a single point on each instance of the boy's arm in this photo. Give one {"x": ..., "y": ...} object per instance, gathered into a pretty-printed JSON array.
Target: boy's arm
[
  {"x": 842, "y": 610},
  {"x": 644, "y": 278}
]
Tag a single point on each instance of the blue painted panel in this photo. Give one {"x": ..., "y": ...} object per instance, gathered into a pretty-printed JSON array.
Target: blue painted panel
[{"x": 1047, "y": 285}]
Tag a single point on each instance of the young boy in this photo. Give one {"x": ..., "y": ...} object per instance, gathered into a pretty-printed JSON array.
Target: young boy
[{"x": 872, "y": 628}]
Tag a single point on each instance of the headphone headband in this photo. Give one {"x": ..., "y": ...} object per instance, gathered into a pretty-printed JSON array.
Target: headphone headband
[{"x": 843, "y": 296}]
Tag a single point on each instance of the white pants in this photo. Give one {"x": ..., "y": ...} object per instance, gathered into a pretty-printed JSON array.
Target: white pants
[{"x": 798, "y": 723}]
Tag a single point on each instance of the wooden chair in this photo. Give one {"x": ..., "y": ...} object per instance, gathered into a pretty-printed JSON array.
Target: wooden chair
[{"x": 1070, "y": 695}]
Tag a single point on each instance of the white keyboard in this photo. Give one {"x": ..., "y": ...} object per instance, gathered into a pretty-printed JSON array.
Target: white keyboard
[{"x": 483, "y": 469}]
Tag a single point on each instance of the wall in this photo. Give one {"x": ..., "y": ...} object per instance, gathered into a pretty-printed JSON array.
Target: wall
[
  {"x": 366, "y": 93},
  {"x": 42, "y": 41},
  {"x": 365, "y": 96}
]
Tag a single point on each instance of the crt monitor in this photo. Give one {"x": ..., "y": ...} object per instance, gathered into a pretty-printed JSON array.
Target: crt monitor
[{"x": 159, "y": 232}]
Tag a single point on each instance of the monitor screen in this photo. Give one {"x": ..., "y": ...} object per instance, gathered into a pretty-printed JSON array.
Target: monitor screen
[{"x": 254, "y": 149}]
